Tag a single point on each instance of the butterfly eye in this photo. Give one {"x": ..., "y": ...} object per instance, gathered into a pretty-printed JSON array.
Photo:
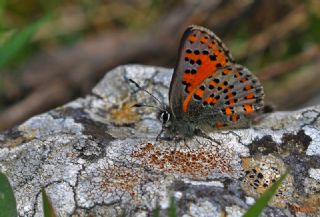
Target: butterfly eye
[{"x": 164, "y": 116}]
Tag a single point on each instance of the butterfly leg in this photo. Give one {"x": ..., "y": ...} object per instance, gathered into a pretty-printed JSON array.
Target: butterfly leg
[
  {"x": 158, "y": 136},
  {"x": 186, "y": 144},
  {"x": 178, "y": 140},
  {"x": 200, "y": 133},
  {"x": 165, "y": 138}
]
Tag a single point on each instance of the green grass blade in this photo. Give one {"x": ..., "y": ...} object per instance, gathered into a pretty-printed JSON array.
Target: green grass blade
[
  {"x": 10, "y": 49},
  {"x": 7, "y": 201},
  {"x": 3, "y": 4},
  {"x": 256, "y": 209},
  {"x": 156, "y": 212},
  {"x": 47, "y": 206},
  {"x": 172, "y": 212}
]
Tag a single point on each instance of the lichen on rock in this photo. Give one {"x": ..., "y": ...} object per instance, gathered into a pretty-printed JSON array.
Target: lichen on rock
[{"x": 99, "y": 156}]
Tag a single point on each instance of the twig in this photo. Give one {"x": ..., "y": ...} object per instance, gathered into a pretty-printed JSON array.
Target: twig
[
  {"x": 37, "y": 102},
  {"x": 294, "y": 21},
  {"x": 296, "y": 89},
  {"x": 282, "y": 67}
]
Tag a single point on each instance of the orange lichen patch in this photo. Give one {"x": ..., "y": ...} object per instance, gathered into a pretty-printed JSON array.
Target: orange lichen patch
[
  {"x": 313, "y": 201},
  {"x": 309, "y": 205},
  {"x": 223, "y": 213},
  {"x": 121, "y": 178},
  {"x": 15, "y": 142},
  {"x": 143, "y": 150},
  {"x": 261, "y": 173},
  {"x": 246, "y": 162},
  {"x": 195, "y": 163},
  {"x": 124, "y": 114},
  {"x": 305, "y": 209}
]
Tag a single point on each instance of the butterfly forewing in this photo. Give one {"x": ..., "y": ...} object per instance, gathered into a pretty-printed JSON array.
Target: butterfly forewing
[
  {"x": 208, "y": 88},
  {"x": 201, "y": 53}
]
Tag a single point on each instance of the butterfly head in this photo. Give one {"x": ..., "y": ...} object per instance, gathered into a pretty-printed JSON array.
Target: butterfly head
[{"x": 164, "y": 115}]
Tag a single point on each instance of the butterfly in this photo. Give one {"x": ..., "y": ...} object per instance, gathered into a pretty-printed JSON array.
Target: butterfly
[{"x": 208, "y": 90}]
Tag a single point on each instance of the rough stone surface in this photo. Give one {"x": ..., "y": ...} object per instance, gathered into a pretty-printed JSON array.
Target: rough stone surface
[{"x": 97, "y": 156}]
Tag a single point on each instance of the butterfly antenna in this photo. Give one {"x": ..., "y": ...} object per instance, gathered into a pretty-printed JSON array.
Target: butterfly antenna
[
  {"x": 138, "y": 105},
  {"x": 155, "y": 98}
]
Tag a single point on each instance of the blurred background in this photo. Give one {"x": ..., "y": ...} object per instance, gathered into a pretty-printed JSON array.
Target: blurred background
[{"x": 53, "y": 51}]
